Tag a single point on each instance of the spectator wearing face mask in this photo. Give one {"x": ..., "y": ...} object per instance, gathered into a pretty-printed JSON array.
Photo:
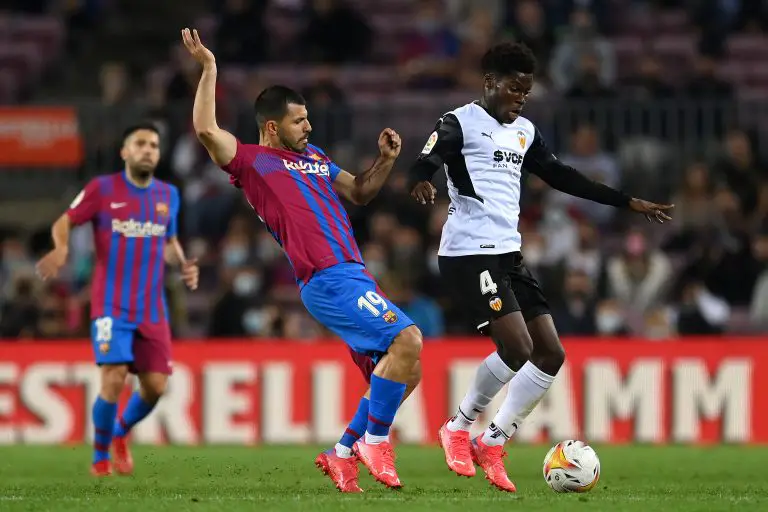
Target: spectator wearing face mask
[
  {"x": 574, "y": 314},
  {"x": 611, "y": 318},
  {"x": 638, "y": 277},
  {"x": 236, "y": 312},
  {"x": 236, "y": 251},
  {"x": 375, "y": 258}
]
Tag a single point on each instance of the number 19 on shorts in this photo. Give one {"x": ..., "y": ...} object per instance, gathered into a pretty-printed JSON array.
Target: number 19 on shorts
[{"x": 370, "y": 301}]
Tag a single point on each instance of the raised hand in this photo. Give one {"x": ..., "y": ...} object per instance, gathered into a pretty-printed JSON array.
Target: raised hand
[
  {"x": 389, "y": 143},
  {"x": 196, "y": 48}
]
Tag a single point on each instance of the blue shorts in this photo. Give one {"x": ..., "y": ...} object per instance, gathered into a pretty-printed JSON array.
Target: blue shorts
[
  {"x": 347, "y": 300},
  {"x": 144, "y": 347}
]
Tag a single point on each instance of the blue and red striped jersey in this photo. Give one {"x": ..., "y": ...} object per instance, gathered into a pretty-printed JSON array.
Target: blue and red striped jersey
[
  {"x": 130, "y": 226},
  {"x": 293, "y": 195}
]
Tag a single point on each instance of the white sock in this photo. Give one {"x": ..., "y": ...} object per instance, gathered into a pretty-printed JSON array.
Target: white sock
[
  {"x": 491, "y": 376},
  {"x": 372, "y": 439},
  {"x": 524, "y": 392},
  {"x": 343, "y": 452}
]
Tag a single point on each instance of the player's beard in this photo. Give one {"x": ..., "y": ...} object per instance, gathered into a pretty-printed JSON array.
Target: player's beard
[
  {"x": 295, "y": 146},
  {"x": 142, "y": 172}
]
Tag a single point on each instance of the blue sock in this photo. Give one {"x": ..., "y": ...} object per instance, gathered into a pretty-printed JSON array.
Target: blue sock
[
  {"x": 136, "y": 410},
  {"x": 386, "y": 396},
  {"x": 103, "y": 419},
  {"x": 357, "y": 426}
]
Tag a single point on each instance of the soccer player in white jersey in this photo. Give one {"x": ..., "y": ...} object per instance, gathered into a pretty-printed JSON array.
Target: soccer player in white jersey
[{"x": 484, "y": 146}]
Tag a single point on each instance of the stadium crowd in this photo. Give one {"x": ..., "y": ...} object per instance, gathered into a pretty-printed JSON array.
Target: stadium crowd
[{"x": 704, "y": 273}]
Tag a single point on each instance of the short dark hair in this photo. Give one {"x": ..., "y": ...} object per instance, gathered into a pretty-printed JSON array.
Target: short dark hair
[
  {"x": 506, "y": 59},
  {"x": 272, "y": 103},
  {"x": 144, "y": 125}
]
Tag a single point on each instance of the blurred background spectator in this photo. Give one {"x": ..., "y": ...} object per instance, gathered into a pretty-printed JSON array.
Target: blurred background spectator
[{"x": 667, "y": 100}]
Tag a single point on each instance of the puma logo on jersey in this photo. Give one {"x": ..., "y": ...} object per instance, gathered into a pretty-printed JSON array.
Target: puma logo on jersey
[{"x": 490, "y": 136}]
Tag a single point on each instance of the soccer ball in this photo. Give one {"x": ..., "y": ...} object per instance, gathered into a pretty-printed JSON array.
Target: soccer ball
[{"x": 571, "y": 466}]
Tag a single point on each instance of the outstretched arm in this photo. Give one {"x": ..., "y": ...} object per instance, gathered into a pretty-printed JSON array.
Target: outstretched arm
[
  {"x": 221, "y": 145},
  {"x": 540, "y": 161},
  {"x": 361, "y": 189}
]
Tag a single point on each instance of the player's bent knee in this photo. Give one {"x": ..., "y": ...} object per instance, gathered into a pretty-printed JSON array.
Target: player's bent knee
[
  {"x": 557, "y": 357},
  {"x": 415, "y": 377},
  {"x": 549, "y": 359},
  {"x": 112, "y": 381},
  {"x": 514, "y": 346},
  {"x": 407, "y": 345},
  {"x": 153, "y": 386}
]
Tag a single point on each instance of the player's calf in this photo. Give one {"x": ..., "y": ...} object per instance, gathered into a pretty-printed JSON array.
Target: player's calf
[
  {"x": 548, "y": 352},
  {"x": 531, "y": 382},
  {"x": 512, "y": 339},
  {"x": 389, "y": 382},
  {"x": 104, "y": 412},
  {"x": 388, "y": 385},
  {"x": 141, "y": 403},
  {"x": 514, "y": 347},
  {"x": 359, "y": 423}
]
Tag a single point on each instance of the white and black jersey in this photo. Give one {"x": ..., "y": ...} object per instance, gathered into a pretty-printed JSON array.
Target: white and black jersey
[
  {"x": 483, "y": 161},
  {"x": 479, "y": 255}
]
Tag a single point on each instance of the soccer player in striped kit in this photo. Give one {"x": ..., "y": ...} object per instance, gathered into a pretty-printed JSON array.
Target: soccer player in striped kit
[
  {"x": 134, "y": 219},
  {"x": 295, "y": 189}
]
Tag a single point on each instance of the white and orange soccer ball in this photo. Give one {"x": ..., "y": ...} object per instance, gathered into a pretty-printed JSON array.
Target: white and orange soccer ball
[{"x": 571, "y": 466}]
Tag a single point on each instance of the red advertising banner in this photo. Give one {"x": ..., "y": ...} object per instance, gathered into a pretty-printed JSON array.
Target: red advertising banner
[
  {"x": 612, "y": 390},
  {"x": 40, "y": 137}
]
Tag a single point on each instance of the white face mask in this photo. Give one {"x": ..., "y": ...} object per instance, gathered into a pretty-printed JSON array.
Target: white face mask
[
  {"x": 246, "y": 285},
  {"x": 376, "y": 268},
  {"x": 235, "y": 255},
  {"x": 608, "y": 322},
  {"x": 533, "y": 255},
  {"x": 254, "y": 321}
]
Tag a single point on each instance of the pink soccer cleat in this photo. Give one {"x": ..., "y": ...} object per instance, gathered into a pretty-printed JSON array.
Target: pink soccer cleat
[
  {"x": 457, "y": 451},
  {"x": 342, "y": 471},
  {"x": 101, "y": 468},
  {"x": 380, "y": 461},
  {"x": 123, "y": 461},
  {"x": 491, "y": 459}
]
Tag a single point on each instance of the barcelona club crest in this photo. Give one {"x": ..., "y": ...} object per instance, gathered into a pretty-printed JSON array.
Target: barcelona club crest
[
  {"x": 161, "y": 209},
  {"x": 390, "y": 317},
  {"x": 495, "y": 303},
  {"x": 521, "y": 139}
]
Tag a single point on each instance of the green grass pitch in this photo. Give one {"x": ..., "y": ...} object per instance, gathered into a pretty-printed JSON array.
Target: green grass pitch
[{"x": 634, "y": 478}]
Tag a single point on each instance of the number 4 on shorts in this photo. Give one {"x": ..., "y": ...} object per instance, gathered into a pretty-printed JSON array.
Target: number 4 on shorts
[{"x": 486, "y": 283}]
